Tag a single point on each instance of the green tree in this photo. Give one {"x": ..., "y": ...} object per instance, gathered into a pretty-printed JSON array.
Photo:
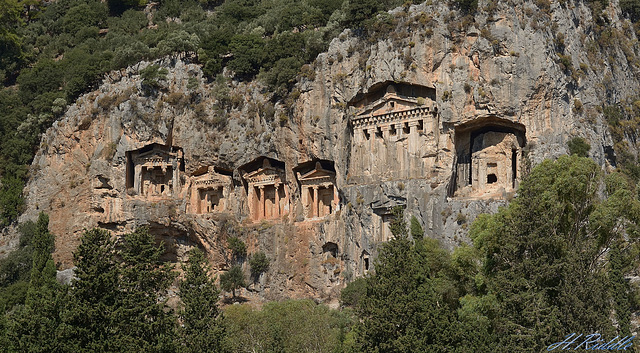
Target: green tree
[
  {"x": 248, "y": 55},
  {"x": 416, "y": 229},
  {"x": 34, "y": 326},
  {"x": 259, "y": 264},
  {"x": 92, "y": 302},
  {"x": 409, "y": 303},
  {"x": 203, "y": 329},
  {"x": 287, "y": 326},
  {"x": 543, "y": 254},
  {"x": 144, "y": 322},
  {"x": 398, "y": 226},
  {"x": 232, "y": 280},
  {"x": 406, "y": 307},
  {"x": 579, "y": 147},
  {"x": 238, "y": 248}
]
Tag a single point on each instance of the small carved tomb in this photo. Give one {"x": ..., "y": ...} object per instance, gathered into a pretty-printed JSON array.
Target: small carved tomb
[
  {"x": 210, "y": 191},
  {"x": 266, "y": 191},
  {"x": 156, "y": 170},
  {"x": 319, "y": 194},
  {"x": 383, "y": 208}
]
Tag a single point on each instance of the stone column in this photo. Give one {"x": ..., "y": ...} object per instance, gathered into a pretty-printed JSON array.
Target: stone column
[
  {"x": 207, "y": 202},
  {"x": 385, "y": 132},
  {"x": 176, "y": 179},
  {"x": 372, "y": 136},
  {"x": 261, "y": 204},
  {"x": 413, "y": 136},
  {"x": 315, "y": 201},
  {"x": 277, "y": 200},
  {"x": 137, "y": 178}
]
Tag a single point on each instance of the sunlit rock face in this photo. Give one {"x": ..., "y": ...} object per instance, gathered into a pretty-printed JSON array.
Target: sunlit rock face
[{"x": 440, "y": 119}]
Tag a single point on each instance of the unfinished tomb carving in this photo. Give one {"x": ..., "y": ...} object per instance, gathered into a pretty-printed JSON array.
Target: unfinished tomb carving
[
  {"x": 319, "y": 194},
  {"x": 488, "y": 157},
  {"x": 383, "y": 211},
  {"x": 267, "y": 191},
  {"x": 210, "y": 190},
  {"x": 395, "y": 132},
  {"x": 154, "y": 170}
]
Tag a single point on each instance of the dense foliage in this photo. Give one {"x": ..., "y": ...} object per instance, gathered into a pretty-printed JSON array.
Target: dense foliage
[
  {"x": 551, "y": 262},
  {"x": 117, "y": 302},
  {"x": 289, "y": 326}
]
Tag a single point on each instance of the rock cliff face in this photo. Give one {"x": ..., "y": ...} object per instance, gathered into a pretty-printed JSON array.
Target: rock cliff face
[{"x": 438, "y": 113}]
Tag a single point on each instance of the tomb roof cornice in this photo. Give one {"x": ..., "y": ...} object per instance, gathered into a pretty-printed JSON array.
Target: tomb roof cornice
[{"x": 405, "y": 115}]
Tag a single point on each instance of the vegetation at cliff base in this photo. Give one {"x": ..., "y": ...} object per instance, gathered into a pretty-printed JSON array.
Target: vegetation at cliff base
[{"x": 553, "y": 260}]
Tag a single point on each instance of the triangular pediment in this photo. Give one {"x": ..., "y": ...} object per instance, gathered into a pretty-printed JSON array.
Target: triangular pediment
[
  {"x": 388, "y": 104},
  {"x": 212, "y": 178},
  {"x": 317, "y": 174},
  {"x": 385, "y": 204},
  {"x": 263, "y": 172},
  {"x": 154, "y": 154}
]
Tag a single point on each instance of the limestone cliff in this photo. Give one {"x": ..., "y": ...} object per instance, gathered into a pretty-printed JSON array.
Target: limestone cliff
[{"x": 436, "y": 112}]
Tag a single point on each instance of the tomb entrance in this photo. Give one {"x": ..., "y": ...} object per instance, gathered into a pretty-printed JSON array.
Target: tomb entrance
[
  {"x": 383, "y": 210},
  {"x": 267, "y": 191},
  {"x": 395, "y": 132},
  {"x": 154, "y": 170},
  {"x": 319, "y": 194},
  {"x": 210, "y": 190}
]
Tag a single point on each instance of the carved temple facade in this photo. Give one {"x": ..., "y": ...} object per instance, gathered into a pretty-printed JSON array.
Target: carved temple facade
[
  {"x": 154, "y": 170},
  {"x": 210, "y": 190},
  {"x": 267, "y": 191},
  {"x": 395, "y": 133},
  {"x": 318, "y": 191}
]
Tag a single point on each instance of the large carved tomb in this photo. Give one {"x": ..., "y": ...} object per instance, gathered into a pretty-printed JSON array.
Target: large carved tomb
[
  {"x": 267, "y": 191},
  {"x": 395, "y": 133},
  {"x": 154, "y": 170},
  {"x": 488, "y": 157},
  {"x": 210, "y": 188},
  {"x": 319, "y": 194}
]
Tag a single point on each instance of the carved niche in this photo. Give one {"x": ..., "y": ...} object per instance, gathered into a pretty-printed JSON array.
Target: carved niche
[
  {"x": 154, "y": 170},
  {"x": 210, "y": 191},
  {"x": 395, "y": 132},
  {"x": 267, "y": 191},
  {"x": 319, "y": 194}
]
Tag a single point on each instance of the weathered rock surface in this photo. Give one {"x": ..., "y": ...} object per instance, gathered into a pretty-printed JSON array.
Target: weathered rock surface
[{"x": 506, "y": 72}]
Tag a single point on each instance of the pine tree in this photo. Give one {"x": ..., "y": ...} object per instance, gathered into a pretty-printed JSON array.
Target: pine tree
[
  {"x": 232, "y": 280},
  {"x": 143, "y": 322},
  {"x": 404, "y": 308},
  {"x": 34, "y": 326},
  {"x": 89, "y": 320},
  {"x": 543, "y": 254},
  {"x": 202, "y": 326}
]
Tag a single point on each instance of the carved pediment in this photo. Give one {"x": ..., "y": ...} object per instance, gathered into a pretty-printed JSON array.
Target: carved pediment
[
  {"x": 390, "y": 103},
  {"x": 385, "y": 204},
  {"x": 212, "y": 180},
  {"x": 317, "y": 175},
  {"x": 264, "y": 176}
]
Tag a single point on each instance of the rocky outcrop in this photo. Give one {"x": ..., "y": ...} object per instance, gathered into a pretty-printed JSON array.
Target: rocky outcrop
[{"x": 442, "y": 116}]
